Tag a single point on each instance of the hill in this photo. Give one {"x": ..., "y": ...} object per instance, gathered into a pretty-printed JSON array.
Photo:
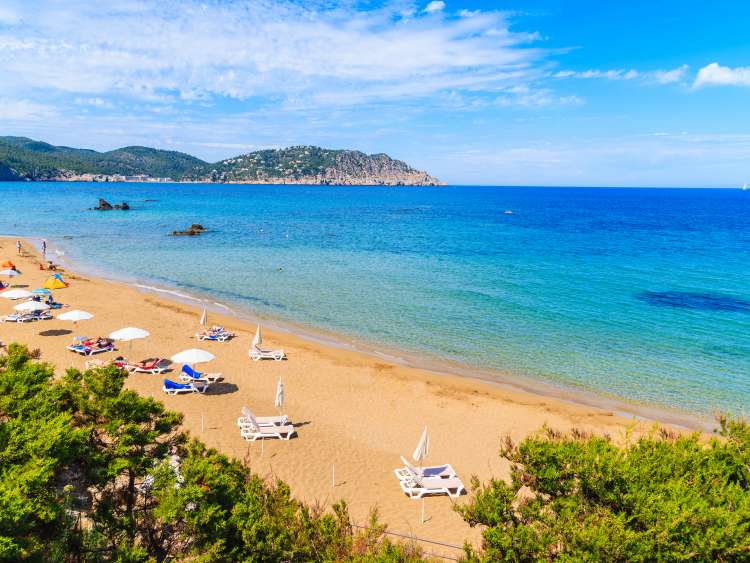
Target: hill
[{"x": 24, "y": 159}]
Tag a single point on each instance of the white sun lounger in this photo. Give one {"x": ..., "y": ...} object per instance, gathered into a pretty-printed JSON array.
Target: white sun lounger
[
  {"x": 425, "y": 486},
  {"x": 255, "y": 431},
  {"x": 410, "y": 472},
  {"x": 256, "y": 354},
  {"x": 247, "y": 417}
]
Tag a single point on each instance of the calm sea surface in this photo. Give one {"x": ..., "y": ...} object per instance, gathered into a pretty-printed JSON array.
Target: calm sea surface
[{"x": 643, "y": 294}]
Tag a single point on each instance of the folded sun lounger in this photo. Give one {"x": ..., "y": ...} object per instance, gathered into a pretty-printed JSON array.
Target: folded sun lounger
[
  {"x": 425, "y": 486},
  {"x": 188, "y": 374},
  {"x": 411, "y": 472},
  {"x": 246, "y": 420},
  {"x": 173, "y": 388},
  {"x": 257, "y": 353}
]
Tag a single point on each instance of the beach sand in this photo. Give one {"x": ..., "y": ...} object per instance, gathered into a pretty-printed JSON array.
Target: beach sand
[{"x": 356, "y": 412}]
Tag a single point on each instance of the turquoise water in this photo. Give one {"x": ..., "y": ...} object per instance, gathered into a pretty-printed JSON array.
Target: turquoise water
[{"x": 638, "y": 293}]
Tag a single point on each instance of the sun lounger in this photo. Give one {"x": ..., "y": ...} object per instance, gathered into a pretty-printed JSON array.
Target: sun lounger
[
  {"x": 26, "y": 317},
  {"x": 149, "y": 365},
  {"x": 257, "y": 353},
  {"x": 189, "y": 374},
  {"x": 96, "y": 363},
  {"x": 426, "y": 486},
  {"x": 411, "y": 472},
  {"x": 254, "y": 432},
  {"x": 89, "y": 347},
  {"x": 173, "y": 388},
  {"x": 215, "y": 333},
  {"x": 247, "y": 417},
  {"x": 13, "y": 317}
]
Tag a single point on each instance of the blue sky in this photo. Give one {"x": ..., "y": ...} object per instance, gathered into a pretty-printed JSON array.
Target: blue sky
[{"x": 544, "y": 92}]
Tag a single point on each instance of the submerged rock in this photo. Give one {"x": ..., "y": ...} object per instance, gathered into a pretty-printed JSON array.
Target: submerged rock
[{"x": 191, "y": 231}]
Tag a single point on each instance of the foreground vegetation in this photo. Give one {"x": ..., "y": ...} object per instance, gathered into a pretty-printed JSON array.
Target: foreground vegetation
[
  {"x": 90, "y": 471},
  {"x": 581, "y": 498}
]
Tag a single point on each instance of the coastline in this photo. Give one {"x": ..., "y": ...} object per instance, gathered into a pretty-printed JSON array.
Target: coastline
[
  {"x": 411, "y": 359},
  {"x": 357, "y": 413}
]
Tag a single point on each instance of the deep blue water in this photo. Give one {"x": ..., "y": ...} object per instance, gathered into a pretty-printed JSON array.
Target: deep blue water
[{"x": 638, "y": 293}]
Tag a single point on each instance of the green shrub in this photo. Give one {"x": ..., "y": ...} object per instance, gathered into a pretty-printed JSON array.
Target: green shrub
[{"x": 576, "y": 497}]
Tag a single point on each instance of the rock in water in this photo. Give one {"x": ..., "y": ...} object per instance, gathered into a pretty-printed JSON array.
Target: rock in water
[
  {"x": 124, "y": 206},
  {"x": 192, "y": 230},
  {"x": 104, "y": 205}
]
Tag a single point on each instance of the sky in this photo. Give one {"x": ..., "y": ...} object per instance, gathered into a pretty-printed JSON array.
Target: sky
[{"x": 536, "y": 92}]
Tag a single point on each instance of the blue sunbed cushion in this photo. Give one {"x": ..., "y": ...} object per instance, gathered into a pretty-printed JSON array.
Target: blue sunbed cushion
[
  {"x": 190, "y": 372},
  {"x": 169, "y": 384}
]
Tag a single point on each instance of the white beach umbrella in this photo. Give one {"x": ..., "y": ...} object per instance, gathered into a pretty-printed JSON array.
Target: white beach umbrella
[
  {"x": 423, "y": 447},
  {"x": 258, "y": 340},
  {"x": 15, "y": 294},
  {"x": 192, "y": 356},
  {"x": 204, "y": 317},
  {"x": 75, "y": 315},
  {"x": 10, "y": 273},
  {"x": 128, "y": 334},
  {"x": 279, "y": 402},
  {"x": 28, "y": 306}
]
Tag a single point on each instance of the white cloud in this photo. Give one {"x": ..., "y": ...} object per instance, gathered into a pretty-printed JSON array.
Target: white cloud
[
  {"x": 657, "y": 76},
  {"x": 670, "y": 76},
  {"x": 717, "y": 75},
  {"x": 188, "y": 51},
  {"x": 615, "y": 74},
  {"x": 524, "y": 96},
  {"x": 23, "y": 110},
  {"x": 435, "y": 6}
]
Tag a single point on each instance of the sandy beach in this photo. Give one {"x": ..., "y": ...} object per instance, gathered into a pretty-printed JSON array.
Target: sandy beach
[{"x": 353, "y": 411}]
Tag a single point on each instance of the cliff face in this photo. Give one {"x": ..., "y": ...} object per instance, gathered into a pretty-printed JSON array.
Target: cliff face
[{"x": 23, "y": 159}]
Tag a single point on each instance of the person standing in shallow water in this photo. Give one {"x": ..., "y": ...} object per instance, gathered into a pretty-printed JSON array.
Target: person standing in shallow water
[
  {"x": 44, "y": 248},
  {"x": 18, "y": 246}
]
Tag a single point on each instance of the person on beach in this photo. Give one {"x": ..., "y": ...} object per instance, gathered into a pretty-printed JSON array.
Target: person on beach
[
  {"x": 44, "y": 248},
  {"x": 18, "y": 246}
]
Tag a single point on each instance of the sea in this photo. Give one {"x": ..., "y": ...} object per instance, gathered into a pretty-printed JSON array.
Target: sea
[{"x": 636, "y": 295}]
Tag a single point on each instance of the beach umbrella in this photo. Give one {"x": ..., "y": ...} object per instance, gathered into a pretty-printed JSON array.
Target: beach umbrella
[
  {"x": 192, "y": 356},
  {"x": 75, "y": 316},
  {"x": 204, "y": 317},
  {"x": 128, "y": 334},
  {"x": 41, "y": 291},
  {"x": 279, "y": 402},
  {"x": 423, "y": 447},
  {"x": 258, "y": 340},
  {"x": 16, "y": 294},
  {"x": 10, "y": 273},
  {"x": 28, "y": 306}
]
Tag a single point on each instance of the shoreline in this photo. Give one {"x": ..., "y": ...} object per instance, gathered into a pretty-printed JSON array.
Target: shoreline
[
  {"x": 410, "y": 359},
  {"x": 355, "y": 413}
]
